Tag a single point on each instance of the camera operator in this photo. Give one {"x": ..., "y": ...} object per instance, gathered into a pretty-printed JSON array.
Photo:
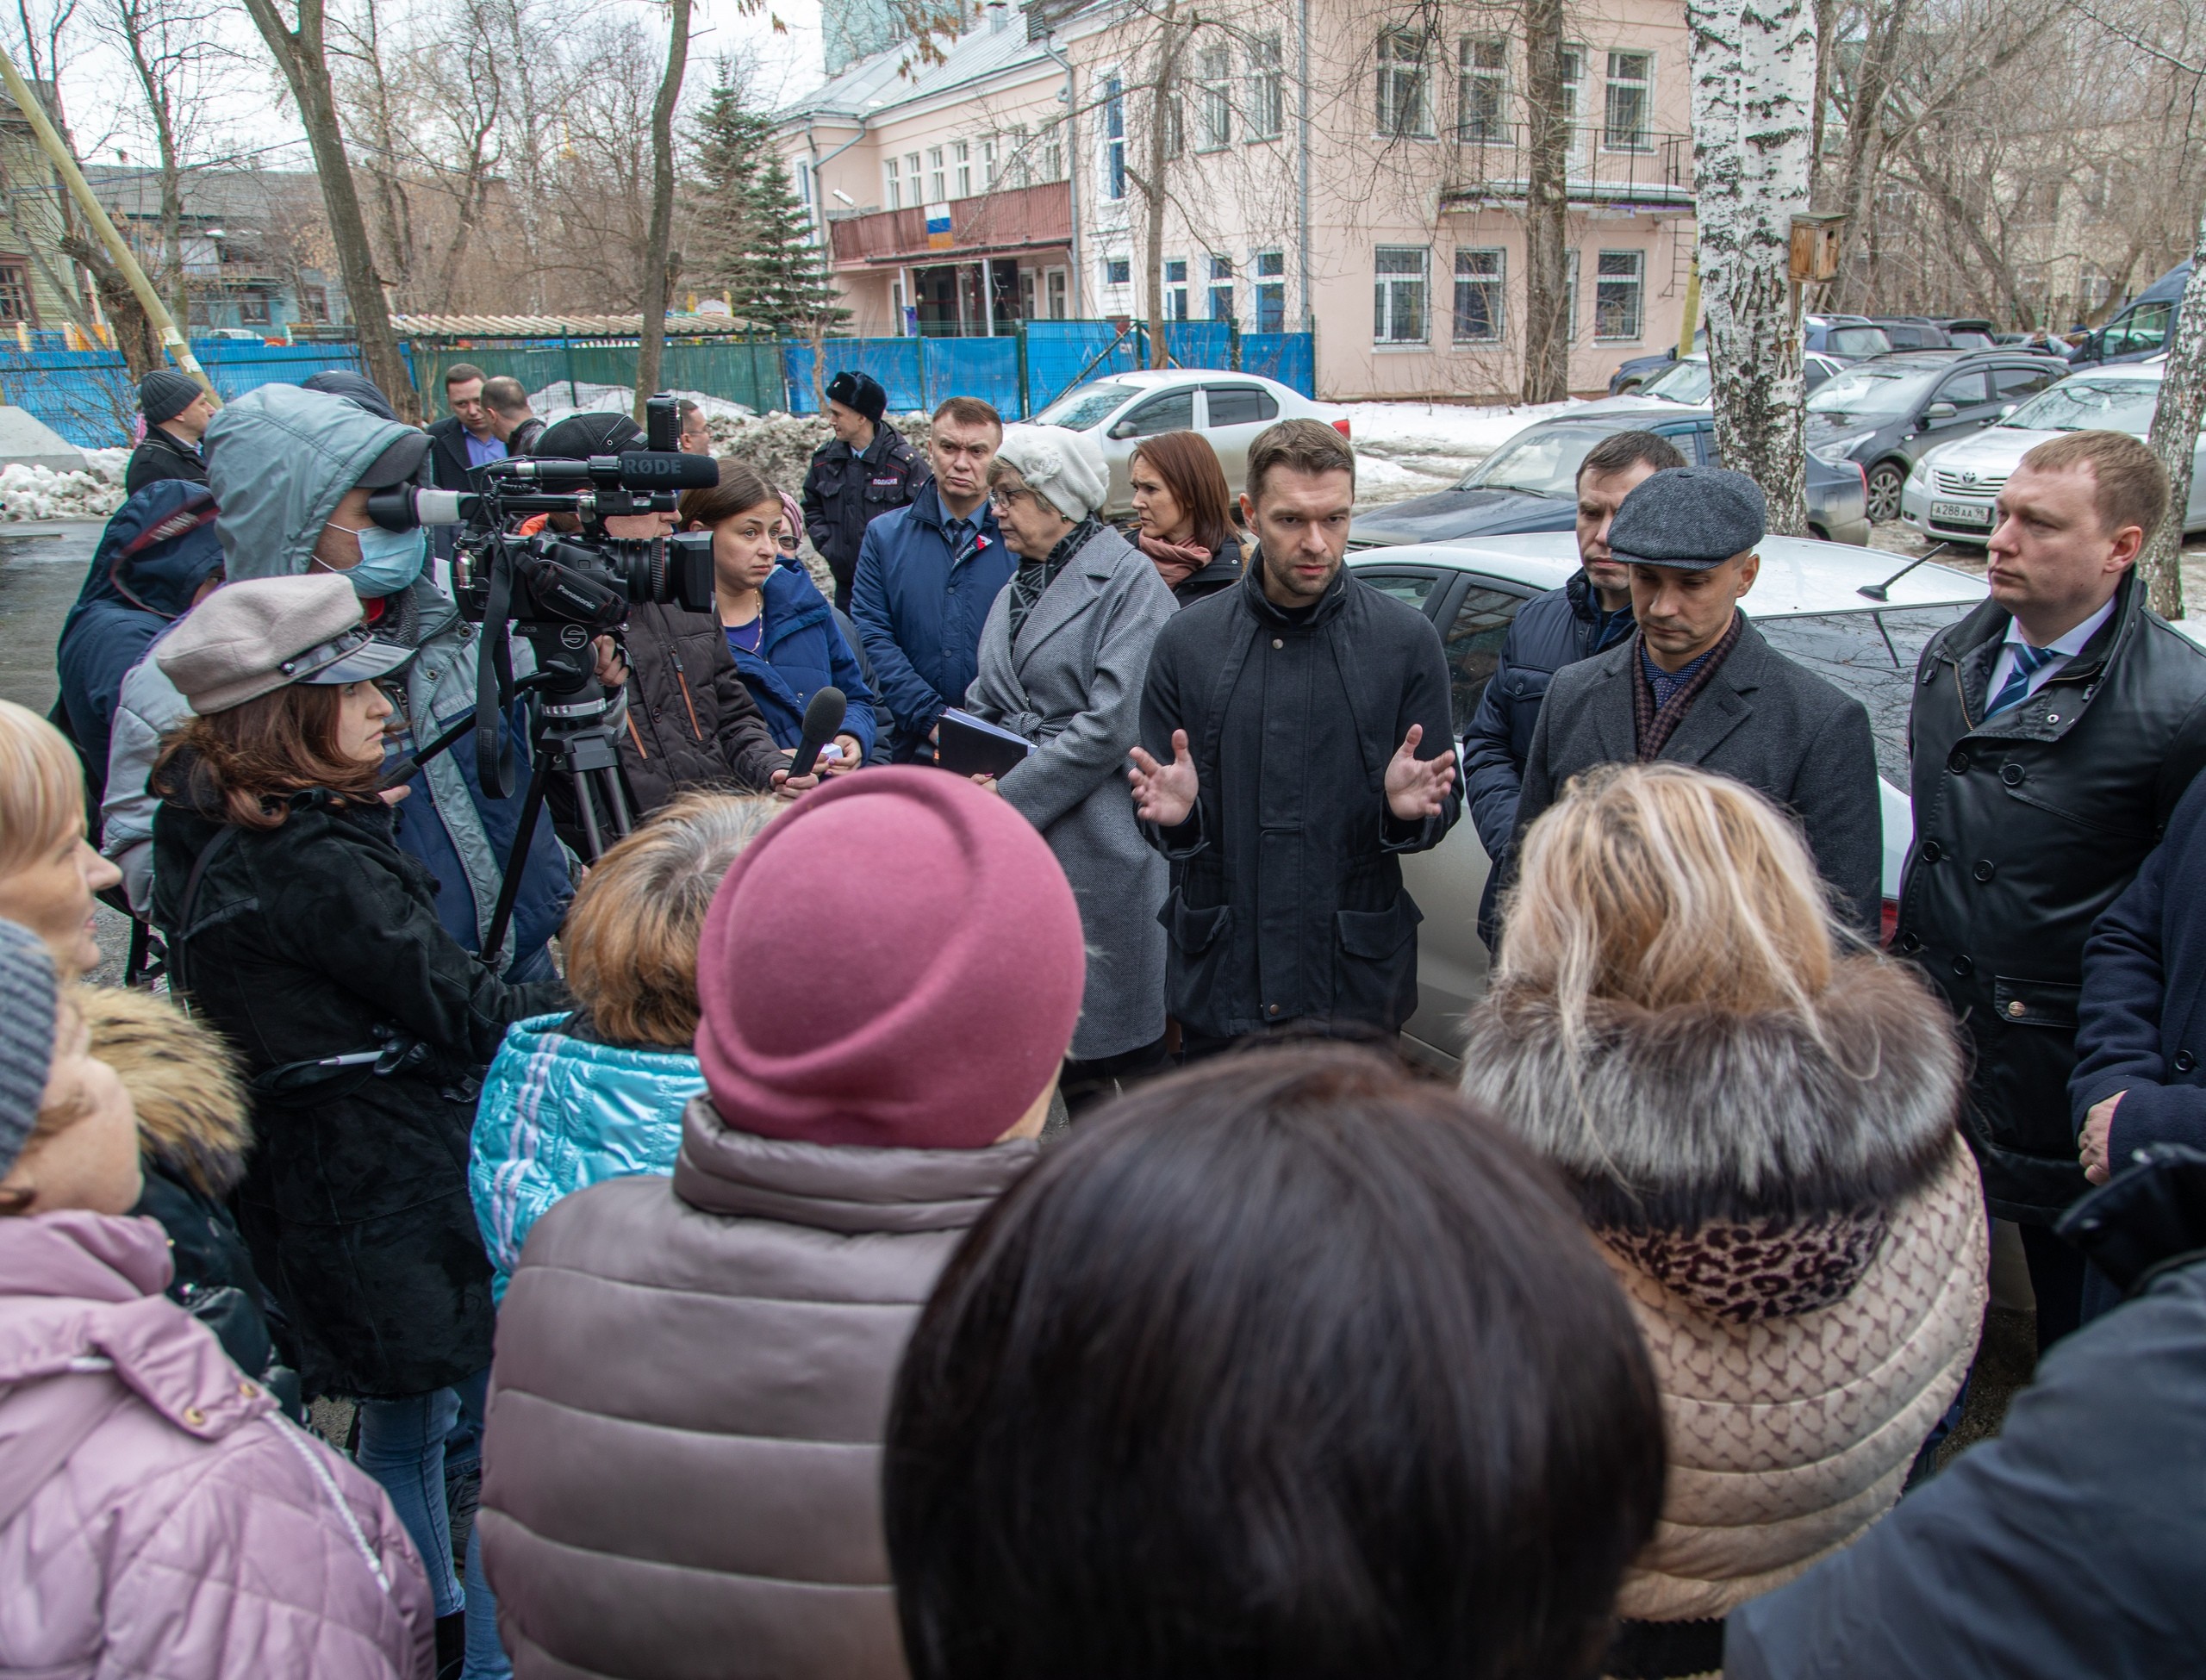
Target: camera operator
[
  {"x": 291, "y": 471},
  {"x": 691, "y": 723}
]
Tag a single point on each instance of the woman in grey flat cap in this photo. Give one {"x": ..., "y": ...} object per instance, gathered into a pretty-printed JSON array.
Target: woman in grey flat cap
[{"x": 305, "y": 934}]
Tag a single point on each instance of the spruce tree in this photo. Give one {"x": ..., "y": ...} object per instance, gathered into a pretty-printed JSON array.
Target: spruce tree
[{"x": 748, "y": 234}]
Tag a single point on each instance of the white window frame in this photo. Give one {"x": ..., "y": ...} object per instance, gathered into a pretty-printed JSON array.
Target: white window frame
[
  {"x": 1643, "y": 141},
  {"x": 894, "y": 186},
  {"x": 1053, "y": 151},
  {"x": 1176, "y": 288},
  {"x": 1398, "y": 73},
  {"x": 1113, "y": 158},
  {"x": 1634, "y": 284},
  {"x": 1174, "y": 116},
  {"x": 1487, "y": 268},
  {"x": 988, "y": 164},
  {"x": 1270, "y": 282},
  {"x": 1218, "y": 288},
  {"x": 961, "y": 155},
  {"x": 1214, "y": 76},
  {"x": 1388, "y": 286},
  {"x": 937, "y": 177},
  {"x": 1125, "y": 262},
  {"x": 1485, "y": 85},
  {"x": 1267, "y": 115}
]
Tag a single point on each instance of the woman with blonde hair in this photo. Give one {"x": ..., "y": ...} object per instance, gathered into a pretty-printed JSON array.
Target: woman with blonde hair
[
  {"x": 1757, "y": 1114},
  {"x": 598, "y": 1092},
  {"x": 49, "y": 872}
]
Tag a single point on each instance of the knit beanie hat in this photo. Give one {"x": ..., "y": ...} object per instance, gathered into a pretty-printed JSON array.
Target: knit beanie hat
[
  {"x": 861, "y": 391},
  {"x": 29, "y": 994},
  {"x": 1065, "y": 469},
  {"x": 164, "y": 393},
  {"x": 934, "y": 1017}
]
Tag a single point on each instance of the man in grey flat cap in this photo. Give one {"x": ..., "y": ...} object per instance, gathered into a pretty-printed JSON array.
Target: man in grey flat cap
[{"x": 1697, "y": 684}]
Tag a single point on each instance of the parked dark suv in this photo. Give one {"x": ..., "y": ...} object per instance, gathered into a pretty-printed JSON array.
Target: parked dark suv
[
  {"x": 2143, "y": 328},
  {"x": 1531, "y": 483},
  {"x": 1883, "y": 414}
]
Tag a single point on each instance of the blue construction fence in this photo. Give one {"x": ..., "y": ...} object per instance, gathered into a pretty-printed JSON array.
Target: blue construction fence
[
  {"x": 88, "y": 397},
  {"x": 1022, "y": 373}
]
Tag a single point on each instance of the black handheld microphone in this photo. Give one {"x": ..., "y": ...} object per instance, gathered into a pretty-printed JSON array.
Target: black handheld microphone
[{"x": 823, "y": 717}]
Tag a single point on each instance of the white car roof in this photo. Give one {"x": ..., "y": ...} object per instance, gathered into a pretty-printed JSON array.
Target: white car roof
[
  {"x": 1799, "y": 575},
  {"x": 2146, "y": 373},
  {"x": 1146, "y": 377}
]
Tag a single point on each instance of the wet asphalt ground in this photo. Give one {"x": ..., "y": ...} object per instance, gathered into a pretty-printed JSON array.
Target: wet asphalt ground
[{"x": 42, "y": 567}]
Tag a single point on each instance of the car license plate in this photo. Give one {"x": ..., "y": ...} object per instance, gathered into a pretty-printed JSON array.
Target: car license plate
[{"x": 1961, "y": 513}]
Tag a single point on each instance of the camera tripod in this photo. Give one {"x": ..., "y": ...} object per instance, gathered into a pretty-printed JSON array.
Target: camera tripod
[{"x": 568, "y": 734}]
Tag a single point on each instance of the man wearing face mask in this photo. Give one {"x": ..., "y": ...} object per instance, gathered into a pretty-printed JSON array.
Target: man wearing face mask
[{"x": 292, "y": 470}]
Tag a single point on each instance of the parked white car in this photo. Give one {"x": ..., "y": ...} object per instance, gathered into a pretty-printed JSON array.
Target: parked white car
[
  {"x": 1807, "y": 601},
  {"x": 1229, "y": 409},
  {"x": 1687, "y": 381},
  {"x": 1949, "y": 494}
]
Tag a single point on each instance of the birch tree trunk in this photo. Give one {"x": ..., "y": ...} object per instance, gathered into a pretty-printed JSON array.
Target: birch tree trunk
[
  {"x": 302, "y": 56},
  {"x": 1548, "y": 137},
  {"x": 1753, "y": 81},
  {"x": 659, "y": 268},
  {"x": 2174, "y": 437}
]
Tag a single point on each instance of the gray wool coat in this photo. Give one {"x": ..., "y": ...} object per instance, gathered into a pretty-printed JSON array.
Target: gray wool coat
[{"x": 1072, "y": 684}]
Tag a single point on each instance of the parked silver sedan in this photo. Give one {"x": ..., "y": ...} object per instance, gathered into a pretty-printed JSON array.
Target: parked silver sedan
[
  {"x": 1228, "y": 409},
  {"x": 1808, "y": 601}
]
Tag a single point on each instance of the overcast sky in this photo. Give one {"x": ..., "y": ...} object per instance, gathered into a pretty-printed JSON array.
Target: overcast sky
[{"x": 245, "y": 117}]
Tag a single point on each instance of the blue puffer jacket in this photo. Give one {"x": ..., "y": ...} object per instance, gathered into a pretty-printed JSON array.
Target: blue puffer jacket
[
  {"x": 920, "y": 610},
  {"x": 156, "y": 550},
  {"x": 802, "y": 652},
  {"x": 558, "y": 1114},
  {"x": 1554, "y": 629}
]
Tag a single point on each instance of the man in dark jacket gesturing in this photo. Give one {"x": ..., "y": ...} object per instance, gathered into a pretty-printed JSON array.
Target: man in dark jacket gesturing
[
  {"x": 1588, "y": 615},
  {"x": 1698, "y": 685},
  {"x": 864, "y": 471},
  {"x": 1280, "y": 770},
  {"x": 2054, "y": 730}
]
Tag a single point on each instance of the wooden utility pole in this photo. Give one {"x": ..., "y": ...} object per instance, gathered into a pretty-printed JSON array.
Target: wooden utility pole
[{"x": 96, "y": 212}]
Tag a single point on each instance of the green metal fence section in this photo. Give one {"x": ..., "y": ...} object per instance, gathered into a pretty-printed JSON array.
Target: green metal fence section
[{"x": 746, "y": 370}]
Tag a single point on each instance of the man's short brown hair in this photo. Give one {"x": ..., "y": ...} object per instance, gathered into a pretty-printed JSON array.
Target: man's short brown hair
[
  {"x": 1305, "y": 445},
  {"x": 460, "y": 372},
  {"x": 2129, "y": 486},
  {"x": 507, "y": 394},
  {"x": 968, "y": 411}
]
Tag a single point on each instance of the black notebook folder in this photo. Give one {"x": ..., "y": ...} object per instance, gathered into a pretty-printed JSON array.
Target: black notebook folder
[{"x": 969, "y": 747}]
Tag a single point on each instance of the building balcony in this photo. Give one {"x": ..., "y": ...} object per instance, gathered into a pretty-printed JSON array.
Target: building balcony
[
  {"x": 1611, "y": 166},
  {"x": 991, "y": 224}
]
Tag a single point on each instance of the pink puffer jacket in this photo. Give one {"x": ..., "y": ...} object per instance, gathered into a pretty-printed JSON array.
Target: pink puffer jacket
[{"x": 158, "y": 1517}]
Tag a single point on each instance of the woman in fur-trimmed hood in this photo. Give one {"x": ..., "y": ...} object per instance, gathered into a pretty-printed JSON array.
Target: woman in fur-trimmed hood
[{"x": 1757, "y": 1116}]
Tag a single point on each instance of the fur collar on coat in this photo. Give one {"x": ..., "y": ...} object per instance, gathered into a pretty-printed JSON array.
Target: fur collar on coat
[
  {"x": 1670, "y": 1119},
  {"x": 193, "y": 1115},
  {"x": 1790, "y": 1426}
]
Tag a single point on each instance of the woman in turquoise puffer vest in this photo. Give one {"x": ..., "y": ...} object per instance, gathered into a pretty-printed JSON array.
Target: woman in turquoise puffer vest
[{"x": 598, "y": 1093}]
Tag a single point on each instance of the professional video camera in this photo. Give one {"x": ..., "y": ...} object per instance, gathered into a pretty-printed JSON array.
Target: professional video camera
[{"x": 559, "y": 590}]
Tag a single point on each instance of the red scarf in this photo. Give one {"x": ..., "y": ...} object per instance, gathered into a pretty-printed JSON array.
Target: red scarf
[{"x": 1176, "y": 562}]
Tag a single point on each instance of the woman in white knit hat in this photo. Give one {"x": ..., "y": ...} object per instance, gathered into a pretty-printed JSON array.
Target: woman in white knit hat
[
  {"x": 310, "y": 940},
  {"x": 1062, "y": 662}
]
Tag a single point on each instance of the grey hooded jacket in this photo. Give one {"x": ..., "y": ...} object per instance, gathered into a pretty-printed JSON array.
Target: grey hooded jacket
[{"x": 279, "y": 459}]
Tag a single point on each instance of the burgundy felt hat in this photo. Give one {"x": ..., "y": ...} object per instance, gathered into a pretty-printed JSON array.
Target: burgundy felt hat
[{"x": 896, "y": 961}]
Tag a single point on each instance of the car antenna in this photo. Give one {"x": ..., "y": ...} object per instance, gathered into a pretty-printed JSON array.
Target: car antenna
[{"x": 1883, "y": 591}]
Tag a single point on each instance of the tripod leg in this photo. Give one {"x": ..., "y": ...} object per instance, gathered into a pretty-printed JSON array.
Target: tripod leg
[
  {"x": 509, "y": 888},
  {"x": 617, "y": 803},
  {"x": 586, "y": 806}
]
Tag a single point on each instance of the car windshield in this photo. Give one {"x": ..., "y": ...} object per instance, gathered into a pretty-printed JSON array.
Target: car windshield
[
  {"x": 1542, "y": 461},
  {"x": 1859, "y": 340},
  {"x": 2091, "y": 405},
  {"x": 1084, "y": 405},
  {"x": 1872, "y": 655},
  {"x": 1685, "y": 382},
  {"x": 1870, "y": 393}
]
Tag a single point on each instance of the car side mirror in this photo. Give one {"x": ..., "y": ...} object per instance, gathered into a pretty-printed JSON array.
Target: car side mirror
[
  {"x": 1124, "y": 429},
  {"x": 1939, "y": 412},
  {"x": 2006, "y": 410}
]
